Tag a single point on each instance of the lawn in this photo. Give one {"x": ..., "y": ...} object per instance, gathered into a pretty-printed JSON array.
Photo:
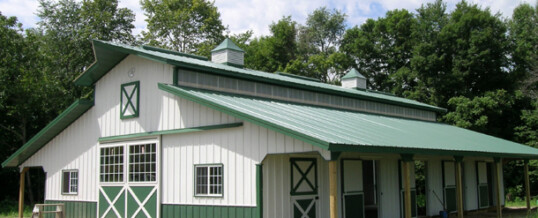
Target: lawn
[{"x": 11, "y": 209}]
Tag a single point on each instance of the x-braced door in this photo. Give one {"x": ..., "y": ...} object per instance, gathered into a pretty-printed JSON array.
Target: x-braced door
[
  {"x": 128, "y": 175},
  {"x": 304, "y": 187}
]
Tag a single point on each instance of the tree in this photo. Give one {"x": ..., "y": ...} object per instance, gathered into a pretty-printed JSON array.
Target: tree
[
  {"x": 182, "y": 25},
  {"x": 382, "y": 48},
  {"x": 23, "y": 89},
  {"x": 67, "y": 28},
  {"x": 272, "y": 53},
  {"x": 318, "y": 47},
  {"x": 523, "y": 37}
]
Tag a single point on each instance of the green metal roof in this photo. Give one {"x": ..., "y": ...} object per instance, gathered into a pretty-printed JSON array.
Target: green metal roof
[
  {"x": 342, "y": 130},
  {"x": 353, "y": 73},
  {"x": 109, "y": 54},
  {"x": 57, "y": 125},
  {"x": 227, "y": 44}
]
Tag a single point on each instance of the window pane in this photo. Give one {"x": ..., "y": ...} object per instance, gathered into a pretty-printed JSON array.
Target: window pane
[
  {"x": 142, "y": 164},
  {"x": 65, "y": 182},
  {"x": 112, "y": 164},
  {"x": 201, "y": 180}
]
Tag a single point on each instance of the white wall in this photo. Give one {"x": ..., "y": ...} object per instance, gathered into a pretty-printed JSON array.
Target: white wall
[
  {"x": 276, "y": 186},
  {"x": 470, "y": 186},
  {"x": 434, "y": 183},
  {"x": 388, "y": 191},
  {"x": 74, "y": 148},
  {"x": 239, "y": 149}
]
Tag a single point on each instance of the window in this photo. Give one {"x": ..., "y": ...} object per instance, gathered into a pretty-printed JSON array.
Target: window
[
  {"x": 142, "y": 163},
  {"x": 208, "y": 180},
  {"x": 111, "y": 164},
  {"x": 69, "y": 182},
  {"x": 130, "y": 94}
]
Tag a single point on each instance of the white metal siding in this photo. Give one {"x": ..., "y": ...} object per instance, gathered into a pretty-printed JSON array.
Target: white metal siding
[
  {"x": 434, "y": 183},
  {"x": 238, "y": 149},
  {"x": 388, "y": 183},
  {"x": 276, "y": 186},
  {"x": 74, "y": 148},
  {"x": 470, "y": 191}
]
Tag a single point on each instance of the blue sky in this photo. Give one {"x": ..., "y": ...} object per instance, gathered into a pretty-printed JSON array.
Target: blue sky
[{"x": 256, "y": 15}]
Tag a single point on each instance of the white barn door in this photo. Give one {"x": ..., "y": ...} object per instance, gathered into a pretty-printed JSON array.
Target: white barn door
[
  {"x": 352, "y": 189},
  {"x": 304, "y": 188}
]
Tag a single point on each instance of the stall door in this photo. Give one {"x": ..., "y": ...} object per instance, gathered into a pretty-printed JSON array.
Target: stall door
[
  {"x": 353, "y": 192},
  {"x": 128, "y": 180},
  {"x": 483, "y": 188},
  {"x": 304, "y": 187},
  {"x": 449, "y": 185},
  {"x": 413, "y": 190}
]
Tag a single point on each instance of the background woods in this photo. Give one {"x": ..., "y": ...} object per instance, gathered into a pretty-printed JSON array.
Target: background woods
[{"x": 480, "y": 66}]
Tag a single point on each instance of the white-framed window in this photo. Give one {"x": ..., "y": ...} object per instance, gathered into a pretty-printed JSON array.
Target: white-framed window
[
  {"x": 208, "y": 180},
  {"x": 111, "y": 162},
  {"x": 69, "y": 181},
  {"x": 143, "y": 162}
]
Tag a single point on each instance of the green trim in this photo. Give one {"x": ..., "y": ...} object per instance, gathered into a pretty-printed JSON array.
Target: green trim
[
  {"x": 168, "y": 132},
  {"x": 294, "y": 134},
  {"x": 416, "y": 151},
  {"x": 259, "y": 191},
  {"x": 175, "y": 76},
  {"x": 55, "y": 127},
  {"x": 82, "y": 209},
  {"x": 129, "y": 97},
  {"x": 166, "y": 51},
  {"x": 206, "y": 211},
  {"x": 221, "y": 195},
  {"x": 298, "y": 77},
  {"x": 304, "y": 176}
]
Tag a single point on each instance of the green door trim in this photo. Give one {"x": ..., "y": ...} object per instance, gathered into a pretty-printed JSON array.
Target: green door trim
[
  {"x": 142, "y": 204},
  {"x": 304, "y": 207},
  {"x": 304, "y": 176},
  {"x": 111, "y": 204},
  {"x": 129, "y": 97}
]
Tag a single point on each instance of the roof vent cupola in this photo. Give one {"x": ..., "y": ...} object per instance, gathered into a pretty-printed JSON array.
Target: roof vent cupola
[
  {"x": 228, "y": 53},
  {"x": 354, "y": 80}
]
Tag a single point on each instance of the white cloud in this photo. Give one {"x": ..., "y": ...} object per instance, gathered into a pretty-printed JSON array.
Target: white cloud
[{"x": 257, "y": 15}]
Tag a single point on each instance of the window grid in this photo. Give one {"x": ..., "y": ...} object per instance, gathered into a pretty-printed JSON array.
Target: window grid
[
  {"x": 70, "y": 182},
  {"x": 73, "y": 182},
  {"x": 209, "y": 180},
  {"x": 112, "y": 164},
  {"x": 142, "y": 163}
]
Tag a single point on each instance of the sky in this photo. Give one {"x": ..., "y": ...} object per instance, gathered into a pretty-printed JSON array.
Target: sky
[{"x": 242, "y": 15}]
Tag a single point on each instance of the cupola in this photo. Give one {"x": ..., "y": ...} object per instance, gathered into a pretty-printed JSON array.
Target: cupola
[
  {"x": 354, "y": 80},
  {"x": 228, "y": 53}
]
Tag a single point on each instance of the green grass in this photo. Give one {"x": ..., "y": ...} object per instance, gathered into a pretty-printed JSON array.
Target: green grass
[
  {"x": 520, "y": 202},
  {"x": 11, "y": 209}
]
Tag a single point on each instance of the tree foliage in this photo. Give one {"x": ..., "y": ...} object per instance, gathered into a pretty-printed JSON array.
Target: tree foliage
[{"x": 182, "y": 25}]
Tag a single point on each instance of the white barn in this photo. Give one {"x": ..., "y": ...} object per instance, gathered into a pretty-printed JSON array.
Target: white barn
[{"x": 175, "y": 135}]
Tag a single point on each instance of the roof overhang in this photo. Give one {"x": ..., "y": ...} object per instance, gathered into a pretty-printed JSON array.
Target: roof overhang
[
  {"x": 50, "y": 131},
  {"x": 337, "y": 134}
]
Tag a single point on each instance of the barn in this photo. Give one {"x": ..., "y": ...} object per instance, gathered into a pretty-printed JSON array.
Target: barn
[{"x": 168, "y": 134}]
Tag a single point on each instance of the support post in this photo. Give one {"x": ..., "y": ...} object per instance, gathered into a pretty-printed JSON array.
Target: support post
[
  {"x": 259, "y": 190},
  {"x": 459, "y": 186},
  {"x": 333, "y": 191},
  {"x": 407, "y": 189},
  {"x": 406, "y": 160},
  {"x": 21, "y": 191},
  {"x": 498, "y": 171},
  {"x": 527, "y": 184}
]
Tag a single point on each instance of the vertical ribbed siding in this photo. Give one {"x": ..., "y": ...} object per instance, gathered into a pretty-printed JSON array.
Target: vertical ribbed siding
[
  {"x": 434, "y": 183},
  {"x": 389, "y": 197},
  {"x": 78, "y": 209},
  {"x": 206, "y": 211},
  {"x": 470, "y": 185}
]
